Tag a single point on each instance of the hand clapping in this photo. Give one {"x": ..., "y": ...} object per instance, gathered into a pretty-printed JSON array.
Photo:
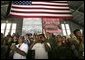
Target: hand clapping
[{"x": 13, "y": 47}]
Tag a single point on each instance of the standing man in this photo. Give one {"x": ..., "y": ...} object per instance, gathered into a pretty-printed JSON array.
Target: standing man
[
  {"x": 39, "y": 47},
  {"x": 80, "y": 39},
  {"x": 50, "y": 44},
  {"x": 20, "y": 50}
]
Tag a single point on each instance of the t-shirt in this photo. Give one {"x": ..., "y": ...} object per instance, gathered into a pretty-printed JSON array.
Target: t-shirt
[
  {"x": 23, "y": 47},
  {"x": 40, "y": 52}
]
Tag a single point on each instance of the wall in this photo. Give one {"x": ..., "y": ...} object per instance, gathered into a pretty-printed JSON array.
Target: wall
[
  {"x": 73, "y": 26},
  {"x": 19, "y": 22},
  {"x": 15, "y": 20}
]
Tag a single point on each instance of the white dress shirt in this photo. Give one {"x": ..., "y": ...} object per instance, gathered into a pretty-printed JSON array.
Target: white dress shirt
[
  {"x": 23, "y": 47},
  {"x": 40, "y": 52}
]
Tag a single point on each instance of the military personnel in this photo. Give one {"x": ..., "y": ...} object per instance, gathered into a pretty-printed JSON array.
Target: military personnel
[
  {"x": 62, "y": 51},
  {"x": 80, "y": 39},
  {"x": 50, "y": 45}
]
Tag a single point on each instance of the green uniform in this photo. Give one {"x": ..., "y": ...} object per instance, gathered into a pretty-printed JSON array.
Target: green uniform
[
  {"x": 63, "y": 52},
  {"x": 81, "y": 50},
  {"x": 51, "y": 51}
]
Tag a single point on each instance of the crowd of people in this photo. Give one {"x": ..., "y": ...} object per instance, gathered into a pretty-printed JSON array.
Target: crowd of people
[{"x": 43, "y": 46}]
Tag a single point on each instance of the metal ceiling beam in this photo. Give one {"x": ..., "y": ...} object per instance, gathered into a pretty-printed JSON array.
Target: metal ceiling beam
[
  {"x": 82, "y": 8},
  {"x": 78, "y": 17},
  {"x": 78, "y": 9},
  {"x": 4, "y": 2},
  {"x": 77, "y": 23},
  {"x": 4, "y": 5},
  {"x": 8, "y": 9}
]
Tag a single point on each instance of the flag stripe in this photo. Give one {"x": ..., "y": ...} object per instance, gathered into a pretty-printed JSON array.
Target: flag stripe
[
  {"x": 50, "y": 3},
  {"x": 60, "y": 17},
  {"x": 41, "y": 8},
  {"x": 42, "y": 12},
  {"x": 39, "y": 14}
]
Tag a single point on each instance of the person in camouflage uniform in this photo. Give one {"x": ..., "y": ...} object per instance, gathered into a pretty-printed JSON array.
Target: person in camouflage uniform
[
  {"x": 80, "y": 42},
  {"x": 50, "y": 45},
  {"x": 62, "y": 49}
]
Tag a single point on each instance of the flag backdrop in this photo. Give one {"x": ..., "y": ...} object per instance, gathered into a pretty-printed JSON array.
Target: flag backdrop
[
  {"x": 26, "y": 9},
  {"x": 51, "y": 25}
]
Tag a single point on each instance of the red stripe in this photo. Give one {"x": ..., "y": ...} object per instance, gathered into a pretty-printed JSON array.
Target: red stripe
[
  {"x": 40, "y": 8},
  {"x": 41, "y": 12},
  {"x": 34, "y": 7},
  {"x": 18, "y": 16}
]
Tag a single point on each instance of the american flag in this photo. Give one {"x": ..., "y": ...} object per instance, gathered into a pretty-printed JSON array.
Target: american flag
[{"x": 28, "y": 9}]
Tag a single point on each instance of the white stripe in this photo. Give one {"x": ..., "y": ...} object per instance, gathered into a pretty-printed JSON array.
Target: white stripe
[
  {"x": 38, "y": 10},
  {"x": 50, "y": 3},
  {"x": 40, "y": 6},
  {"x": 39, "y": 14}
]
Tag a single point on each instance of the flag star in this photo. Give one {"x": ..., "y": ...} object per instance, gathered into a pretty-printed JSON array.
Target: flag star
[
  {"x": 20, "y": 1},
  {"x": 23, "y": 3}
]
